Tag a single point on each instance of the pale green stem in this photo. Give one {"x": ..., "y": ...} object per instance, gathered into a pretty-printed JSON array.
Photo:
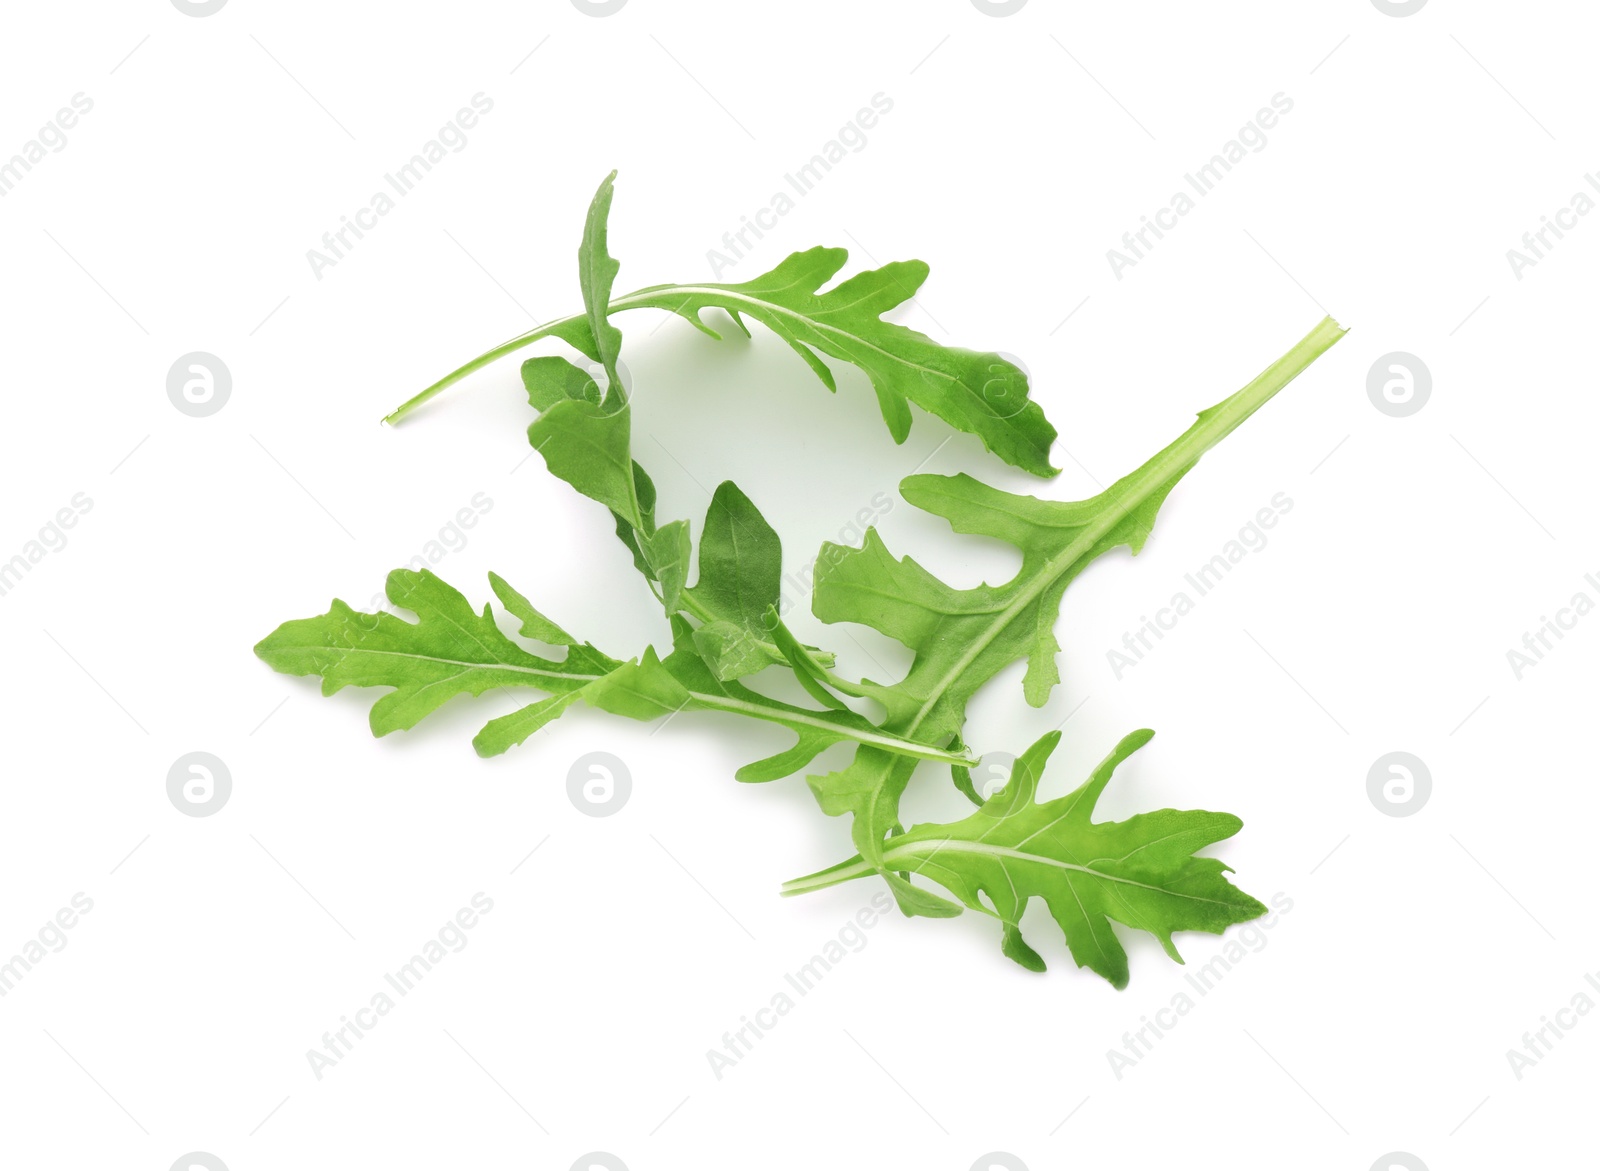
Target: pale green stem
[{"x": 548, "y": 329}]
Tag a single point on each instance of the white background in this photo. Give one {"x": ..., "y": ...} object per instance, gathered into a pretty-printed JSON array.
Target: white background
[{"x": 1019, "y": 149}]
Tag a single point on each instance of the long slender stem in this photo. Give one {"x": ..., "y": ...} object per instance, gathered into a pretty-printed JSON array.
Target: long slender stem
[
  {"x": 633, "y": 300},
  {"x": 527, "y": 339},
  {"x": 857, "y": 867},
  {"x": 655, "y": 296}
]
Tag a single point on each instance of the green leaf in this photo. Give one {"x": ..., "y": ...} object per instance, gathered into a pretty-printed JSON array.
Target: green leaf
[
  {"x": 730, "y": 650},
  {"x": 552, "y": 380},
  {"x": 644, "y": 490},
  {"x": 585, "y": 440},
  {"x": 961, "y": 638},
  {"x": 451, "y": 650},
  {"x": 979, "y": 393},
  {"x": 1142, "y": 872},
  {"x": 645, "y": 690},
  {"x": 596, "y": 272},
  {"x": 740, "y": 575},
  {"x": 586, "y": 444},
  {"x": 506, "y": 732},
  {"x": 585, "y": 437},
  {"x": 534, "y": 624},
  {"x": 961, "y": 777},
  {"x": 667, "y": 552},
  {"x": 976, "y": 392},
  {"x": 741, "y": 562}
]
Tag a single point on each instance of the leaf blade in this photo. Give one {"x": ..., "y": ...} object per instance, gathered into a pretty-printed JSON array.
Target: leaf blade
[
  {"x": 980, "y": 393},
  {"x": 1142, "y": 872},
  {"x": 452, "y": 650},
  {"x": 961, "y": 638},
  {"x": 597, "y": 271}
]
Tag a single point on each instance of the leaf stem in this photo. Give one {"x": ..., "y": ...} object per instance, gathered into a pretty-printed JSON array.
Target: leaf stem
[
  {"x": 887, "y": 741},
  {"x": 634, "y": 300},
  {"x": 853, "y": 868},
  {"x": 857, "y": 867},
  {"x": 548, "y": 329}
]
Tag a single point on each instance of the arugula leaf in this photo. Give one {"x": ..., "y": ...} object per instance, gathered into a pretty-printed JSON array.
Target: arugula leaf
[
  {"x": 451, "y": 650},
  {"x": 741, "y": 562},
  {"x": 552, "y": 380},
  {"x": 737, "y": 591},
  {"x": 596, "y": 272},
  {"x": 979, "y": 393},
  {"x": 961, "y": 638},
  {"x": 587, "y": 445},
  {"x": 586, "y": 440},
  {"x": 535, "y": 625},
  {"x": 741, "y": 559},
  {"x": 1141, "y": 872}
]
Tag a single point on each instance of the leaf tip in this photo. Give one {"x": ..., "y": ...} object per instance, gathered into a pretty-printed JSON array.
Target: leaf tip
[
  {"x": 1017, "y": 949},
  {"x": 1136, "y": 740}
]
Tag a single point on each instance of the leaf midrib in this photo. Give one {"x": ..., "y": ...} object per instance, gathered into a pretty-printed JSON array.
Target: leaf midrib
[
  {"x": 647, "y": 298},
  {"x": 951, "y": 845},
  {"x": 777, "y": 715},
  {"x": 934, "y": 847}
]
